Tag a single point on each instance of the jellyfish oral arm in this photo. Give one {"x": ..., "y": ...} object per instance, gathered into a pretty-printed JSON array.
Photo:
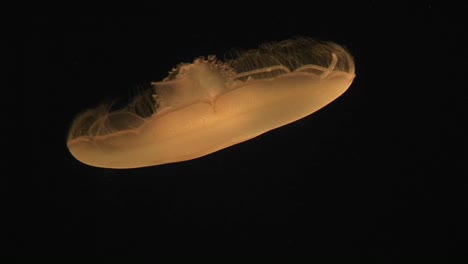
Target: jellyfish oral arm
[{"x": 269, "y": 69}]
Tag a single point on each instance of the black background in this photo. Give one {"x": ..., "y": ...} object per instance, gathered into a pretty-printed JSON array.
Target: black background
[{"x": 377, "y": 172}]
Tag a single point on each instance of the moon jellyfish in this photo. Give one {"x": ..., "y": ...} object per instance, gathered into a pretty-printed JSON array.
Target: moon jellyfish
[{"x": 209, "y": 105}]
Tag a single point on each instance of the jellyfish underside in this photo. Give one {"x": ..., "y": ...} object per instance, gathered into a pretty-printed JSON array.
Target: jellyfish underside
[{"x": 210, "y": 105}]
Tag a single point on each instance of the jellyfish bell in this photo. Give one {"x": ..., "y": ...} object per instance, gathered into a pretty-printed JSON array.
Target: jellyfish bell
[{"x": 209, "y": 105}]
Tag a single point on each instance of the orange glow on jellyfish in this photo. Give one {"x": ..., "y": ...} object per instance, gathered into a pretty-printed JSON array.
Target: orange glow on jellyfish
[{"x": 209, "y": 105}]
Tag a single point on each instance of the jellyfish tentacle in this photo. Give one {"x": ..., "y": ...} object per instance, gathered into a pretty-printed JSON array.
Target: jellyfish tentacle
[{"x": 331, "y": 67}]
